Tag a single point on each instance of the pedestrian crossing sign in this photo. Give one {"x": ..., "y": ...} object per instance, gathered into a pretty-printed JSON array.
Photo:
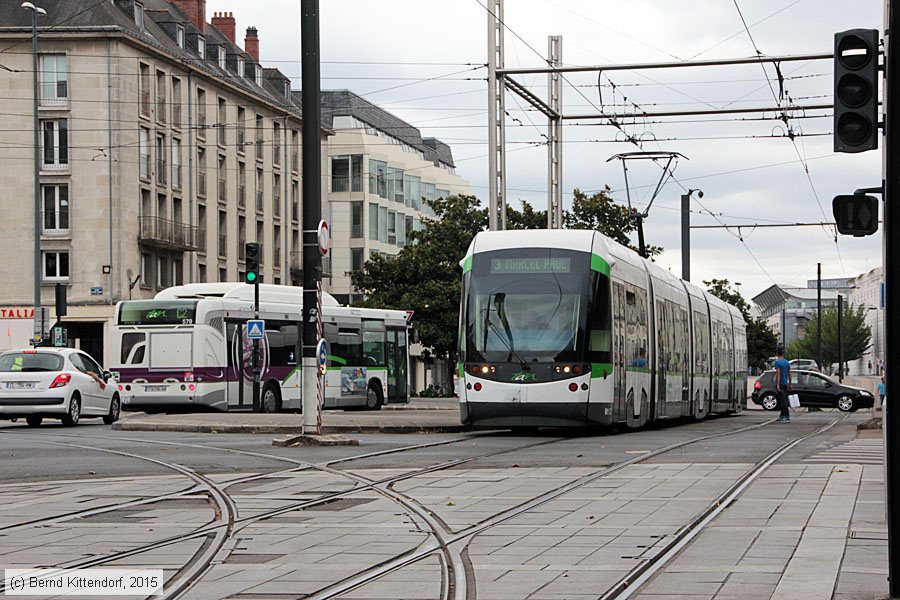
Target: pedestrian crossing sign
[{"x": 256, "y": 329}]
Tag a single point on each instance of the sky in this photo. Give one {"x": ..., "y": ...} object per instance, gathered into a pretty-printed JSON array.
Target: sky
[{"x": 423, "y": 61}]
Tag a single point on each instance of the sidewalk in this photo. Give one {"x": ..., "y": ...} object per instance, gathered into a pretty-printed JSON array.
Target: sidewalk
[{"x": 421, "y": 415}]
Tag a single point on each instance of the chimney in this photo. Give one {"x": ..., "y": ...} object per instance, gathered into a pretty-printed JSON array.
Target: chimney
[
  {"x": 195, "y": 10},
  {"x": 251, "y": 43},
  {"x": 225, "y": 23}
]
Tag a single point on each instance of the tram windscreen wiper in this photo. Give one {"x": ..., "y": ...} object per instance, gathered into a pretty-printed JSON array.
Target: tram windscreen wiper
[{"x": 498, "y": 300}]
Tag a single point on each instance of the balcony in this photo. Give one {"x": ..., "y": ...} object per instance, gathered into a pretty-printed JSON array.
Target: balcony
[
  {"x": 171, "y": 235},
  {"x": 201, "y": 183},
  {"x": 55, "y": 93}
]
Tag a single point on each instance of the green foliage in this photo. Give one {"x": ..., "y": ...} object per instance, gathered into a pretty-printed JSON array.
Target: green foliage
[
  {"x": 761, "y": 340},
  {"x": 857, "y": 336},
  {"x": 527, "y": 219}
]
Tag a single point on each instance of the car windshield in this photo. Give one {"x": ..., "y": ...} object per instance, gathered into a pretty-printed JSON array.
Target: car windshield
[{"x": 26, "y": 362}]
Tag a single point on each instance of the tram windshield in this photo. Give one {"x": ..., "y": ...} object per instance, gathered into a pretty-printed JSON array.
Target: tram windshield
[{"x": 529, "y": 305}]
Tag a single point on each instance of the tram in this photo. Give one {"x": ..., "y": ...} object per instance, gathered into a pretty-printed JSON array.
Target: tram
[{"x": 563, "y": 328}]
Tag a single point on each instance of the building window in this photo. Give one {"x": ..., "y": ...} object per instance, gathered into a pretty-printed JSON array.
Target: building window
[
  {"x": 201, "y": 46},
  {"x": 356, "y": 259},
  {"x": 259, "y": 75},
  {"x": 160, "y": 96},
  {"x": 145, "y": 153},
  {"x": 161, "y": 166},
  {"x": 201, "y": 114},
  {"x": 162, "y": 272},
  {"x": 346, "y": 173},
  {"x": 242, "y": 238},
  {"x": 276, "y": 144},
  {"x": 242, "y": 185},
  {"x": 145, "y": 270},
  {"x": 382, "y": 224},
  {"x": 223, "y": 180},
  {"x": 391, "y": 227},
  {"x": 276, "y": 246},
  {"x": 56, "y": 265},
  {"x": 378, "y": 178},
  {"x": 55, "y": 144},
  {"x": 223, "y": 233},
  {"x": 179, "y": 36},
  {"x": 176, "y": 102},
  {"x": 221, "y": 123},
  {"x": 201, "y": 171},
  {"x": 373, "y": 222},
  {"x": 222, "y": 57},
  {"x": 259, "y": 137},
  {"x": 295, "y": 202},
  {"x": 412, "y": 191},
  {"x": 201, "y": 228},
  {"x": 401, "y": 230},
  {"x": 295, "y": 151},
  {"x": 144, "y": 84},
  {"x": 259, "y": 190},
  {"x": 176, "y": 163},
  {"x": 276, "y": 195},
  {"x": 240, "y": 66},
  {"x": 54, "y": 79},
  {"x": 395, "y": 185},
  {"x": 139, "y": 15},
  {"x": 223, "y": 274},
  {"x": 56, "y": 208},
  {"x": 241, "y": 129},
  {"x": 201, "y": 272},
  {"x": 356, "y": 219},
  {"x": 260, "y": 233}
]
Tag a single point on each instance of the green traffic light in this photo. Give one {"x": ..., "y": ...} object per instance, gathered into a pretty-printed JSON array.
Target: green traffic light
[{"x": 251, "y": 277}]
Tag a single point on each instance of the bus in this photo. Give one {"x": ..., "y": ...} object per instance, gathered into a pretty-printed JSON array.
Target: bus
[
  {"x": 569, "y": 328},
  {"x": 188, "y": 350}
]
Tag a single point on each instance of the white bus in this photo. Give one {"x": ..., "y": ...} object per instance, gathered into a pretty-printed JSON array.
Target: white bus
[{"x": 187, "y": 350}]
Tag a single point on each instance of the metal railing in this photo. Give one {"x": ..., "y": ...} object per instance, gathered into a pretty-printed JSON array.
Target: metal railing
[
  {"x": 356, "y": 230},
  {"x": 55, "y": 223},
  {"x": 55, "y": 93},
  {"x": 169, "y": 234}
]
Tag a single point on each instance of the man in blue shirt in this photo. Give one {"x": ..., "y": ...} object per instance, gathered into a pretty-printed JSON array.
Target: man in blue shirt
[{"x": 782, "y": 385}]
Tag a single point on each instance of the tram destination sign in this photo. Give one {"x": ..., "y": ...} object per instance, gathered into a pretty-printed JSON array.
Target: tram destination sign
[{"x": 516, "y": 266}]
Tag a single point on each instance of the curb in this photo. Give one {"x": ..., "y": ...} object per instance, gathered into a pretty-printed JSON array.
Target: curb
[{"x": 285, "y": 429}]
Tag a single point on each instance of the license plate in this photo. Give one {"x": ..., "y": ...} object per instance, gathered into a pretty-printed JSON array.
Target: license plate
[
  {"x": 155, "y": 388},
  {"x": 20, "y": 385}
]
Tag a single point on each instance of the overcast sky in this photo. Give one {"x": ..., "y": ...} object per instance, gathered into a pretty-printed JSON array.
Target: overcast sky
[{"x": 420, "y": 60}]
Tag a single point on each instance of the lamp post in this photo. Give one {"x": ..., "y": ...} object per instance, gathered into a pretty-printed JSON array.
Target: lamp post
[
  {"x": 686, "y": 232},
  {"x": 35, "y": 12}
]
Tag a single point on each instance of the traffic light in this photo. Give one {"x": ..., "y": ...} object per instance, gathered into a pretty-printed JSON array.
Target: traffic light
[
  {"x": 252, "y": 253},
  {"x": 856, "y": 90},
  {"x": 856, "y": 215}
]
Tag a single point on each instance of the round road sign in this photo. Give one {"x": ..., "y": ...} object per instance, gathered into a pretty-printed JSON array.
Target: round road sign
[
  {"x": 324, "y": 239},
  {"x": 322, "y": 354}
]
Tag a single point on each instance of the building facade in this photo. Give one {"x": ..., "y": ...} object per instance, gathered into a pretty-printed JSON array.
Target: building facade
[
  {"x": 164, "y": 147},
  {"x": 868, "y": 291},
  {"x": 787, "y": 310}
]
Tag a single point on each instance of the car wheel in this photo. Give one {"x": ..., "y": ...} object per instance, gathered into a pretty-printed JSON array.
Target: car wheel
[
  {"x": 769, "y": 402},
  {"x": 271, "y": 399},
  {"x": 71, "y": 418},
  {"x": 845, "y": 403},
  {"x": 34, "y": 420},
  {"x": 115, "y": 408},
  {"x": 374, "y": 398}
]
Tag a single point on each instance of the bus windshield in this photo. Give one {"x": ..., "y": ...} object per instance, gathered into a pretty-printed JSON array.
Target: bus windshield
[
  {"x": 158, "y": 312},
  {"x": 527, "y": 305}
]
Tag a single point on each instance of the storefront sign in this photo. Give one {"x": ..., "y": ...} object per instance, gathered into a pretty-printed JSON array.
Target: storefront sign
[{"x": 16, "y": 313}]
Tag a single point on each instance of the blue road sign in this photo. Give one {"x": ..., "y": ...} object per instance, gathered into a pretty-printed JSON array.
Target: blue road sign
[
  {"x": 256, "y": 329},
  {"x": 322, "y": 354}
]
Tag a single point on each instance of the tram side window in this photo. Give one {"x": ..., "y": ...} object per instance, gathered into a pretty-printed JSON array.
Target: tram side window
[
  {"x": 636, "y": 315},
  {"x": 373, "y": 343},
  {"x": 600, "y": 326},
  {"x": 282, "y": 338},
  {"x": 701, "y": 343},
  {"x": 662, "y": 336}
]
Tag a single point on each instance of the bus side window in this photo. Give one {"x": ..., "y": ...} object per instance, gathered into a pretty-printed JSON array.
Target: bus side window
[
  {"x": 282, "y": 338},
  {"x": 129, "y": 341}
]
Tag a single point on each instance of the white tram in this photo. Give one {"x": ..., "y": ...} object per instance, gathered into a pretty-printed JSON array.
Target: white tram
[{"x": 569, "y": 328}]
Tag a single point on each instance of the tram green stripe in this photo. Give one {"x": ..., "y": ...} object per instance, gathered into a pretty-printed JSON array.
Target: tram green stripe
[
  {"x": 467, "y": 264},
  {"x": 600, "y": 370},
  {"x": 460, "y": 369},
  {"x": 638, "y": 369},
  {"x": 598, "y": 264},
  {"x": 337, "y": 359}
]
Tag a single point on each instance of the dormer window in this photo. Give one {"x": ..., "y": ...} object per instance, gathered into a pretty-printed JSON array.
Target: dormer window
[
  {"x": 240, "y": 66},
  {"x": 201, "y": 46},
  {"x": 259, "y": 75},
  {"x": 287, "y": 88},
  {"x": 179, "y": 36},
  {"x": 222, "y": 57},
  {"x": 139, "y": 15}
]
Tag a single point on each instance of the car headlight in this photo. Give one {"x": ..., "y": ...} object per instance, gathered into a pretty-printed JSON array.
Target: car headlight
[{"x": 865, "y": 393}]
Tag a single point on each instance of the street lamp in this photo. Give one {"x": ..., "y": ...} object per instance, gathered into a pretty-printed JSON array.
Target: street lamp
[
  {"x": 686, "y": 232},
  {"x": 35, "y": 12}
]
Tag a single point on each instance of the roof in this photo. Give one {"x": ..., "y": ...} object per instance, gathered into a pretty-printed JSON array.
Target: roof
[
  {"x": 161, "y": 19},
  {"x": 777, "y": 294},
  {"x": 337, "y": 103}
]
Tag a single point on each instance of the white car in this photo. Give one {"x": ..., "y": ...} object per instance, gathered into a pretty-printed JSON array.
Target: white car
[{"x": 59, "y": 383}]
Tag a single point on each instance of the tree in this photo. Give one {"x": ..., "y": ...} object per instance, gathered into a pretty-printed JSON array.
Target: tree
[
  {"x": 856, "y": 336},
  {"x": 601, "y": 213},
  {"x": 527, "y": 219},
  {"x": 425, "y": 276},
  {"x": 761, "y": 340}
]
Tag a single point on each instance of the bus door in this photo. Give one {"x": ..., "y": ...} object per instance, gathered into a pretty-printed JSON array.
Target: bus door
[
  {"x": 397, "y": 365},
  {"x": 239, "y": 375}
]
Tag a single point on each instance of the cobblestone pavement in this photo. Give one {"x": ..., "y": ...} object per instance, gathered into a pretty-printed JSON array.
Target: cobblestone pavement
[{"x": 812, "y": 526}]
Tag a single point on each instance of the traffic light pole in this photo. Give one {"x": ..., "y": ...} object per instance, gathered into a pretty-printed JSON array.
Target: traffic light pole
[
  {"x": 891, "y": 240},
  {"x": 256, "y": 365}
]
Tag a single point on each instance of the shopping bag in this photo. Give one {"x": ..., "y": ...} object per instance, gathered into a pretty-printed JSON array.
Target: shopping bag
[{"x": 794, "y": 400}]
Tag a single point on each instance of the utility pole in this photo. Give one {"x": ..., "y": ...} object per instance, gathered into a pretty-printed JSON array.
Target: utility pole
[
  {"x": 840, "y": 328},
  {"x": 819, "y": 315},
  {"x": 554, "y": 135},
  {"x": 496, "y": 119},
  {"x": 686, "y": 237},
  {"x": 38, "y": 313},
  {"x": 312, "y": 206},
  {"x": 891, "y": 241}
]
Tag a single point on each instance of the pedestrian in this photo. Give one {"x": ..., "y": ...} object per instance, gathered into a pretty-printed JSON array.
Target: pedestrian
[
  {"x": 783, "y": 385},
  {"x": 882, "y": 391}
]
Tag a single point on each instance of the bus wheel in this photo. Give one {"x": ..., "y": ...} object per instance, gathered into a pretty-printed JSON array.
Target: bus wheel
[
  {"x": 271, "y": 399},
  {"x": 374, "y": 397}
]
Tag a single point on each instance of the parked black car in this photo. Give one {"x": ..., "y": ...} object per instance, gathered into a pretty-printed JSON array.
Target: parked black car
[{"x": 814, "y": 389}]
